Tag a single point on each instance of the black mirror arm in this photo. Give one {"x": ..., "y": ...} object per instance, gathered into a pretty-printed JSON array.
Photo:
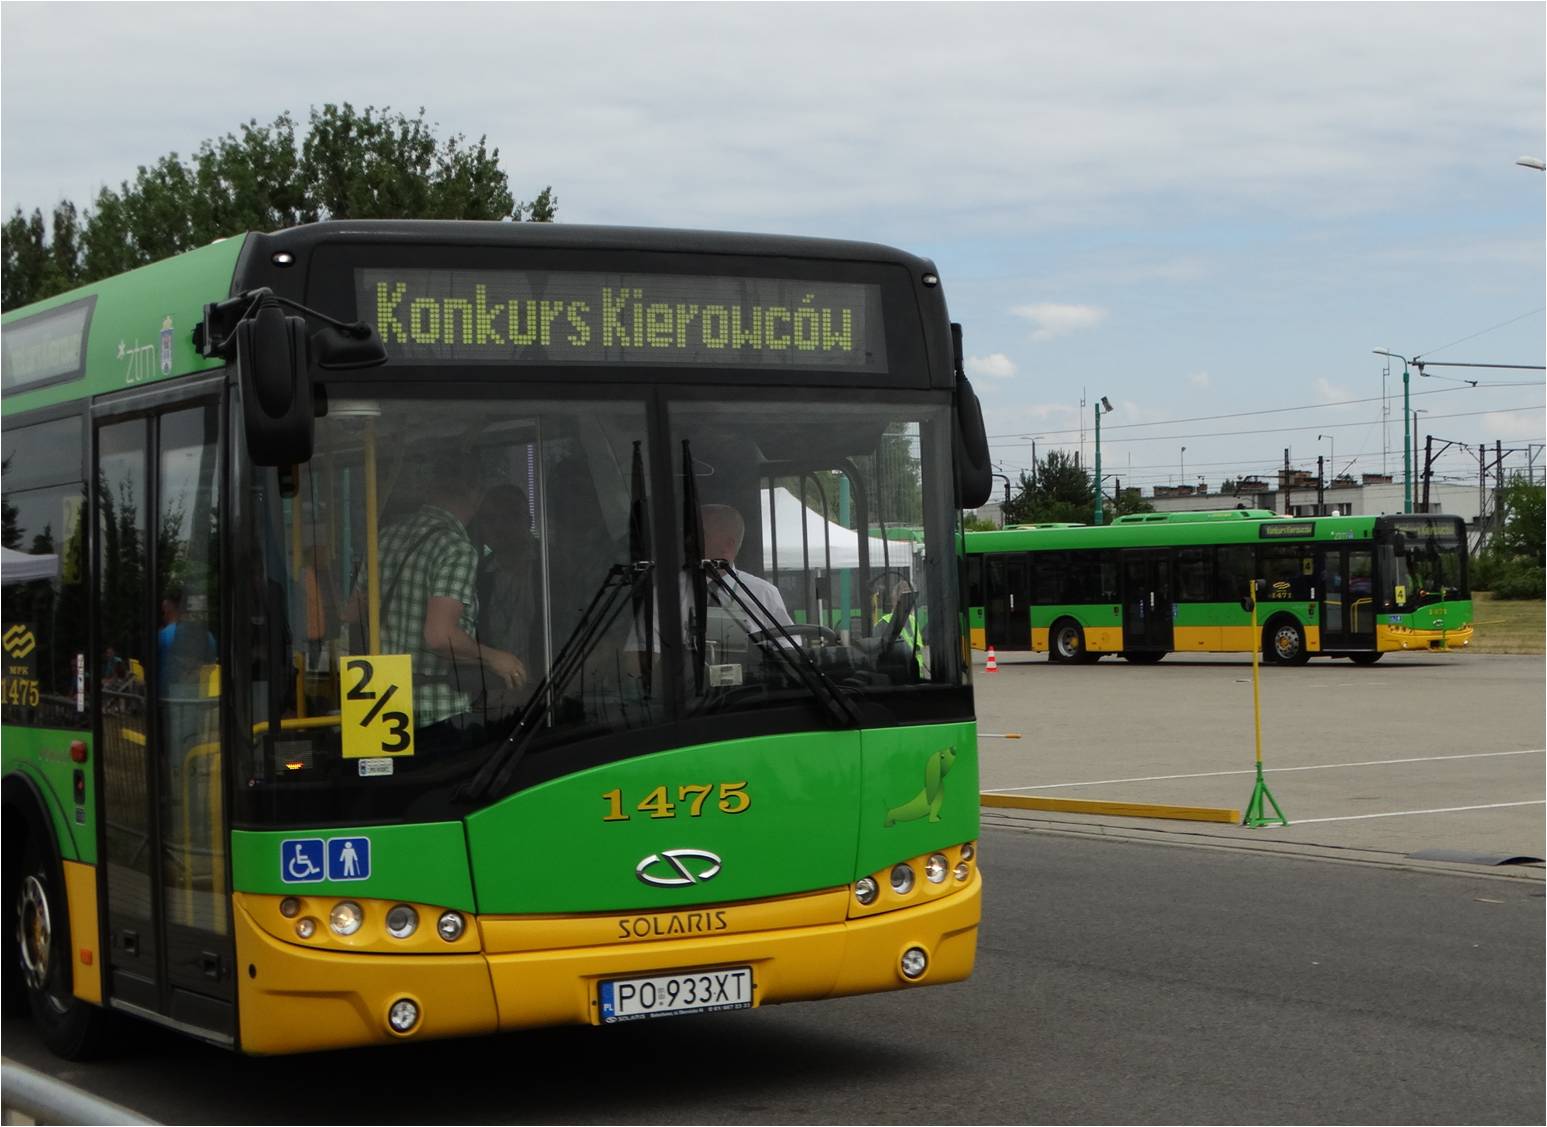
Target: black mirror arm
[{"x": 216, "y": 334}]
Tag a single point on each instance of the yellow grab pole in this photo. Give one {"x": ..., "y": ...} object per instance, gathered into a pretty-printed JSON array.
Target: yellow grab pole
[
  {"x": 1256, "y": 697},
  {"x": 372, "y": 560}
]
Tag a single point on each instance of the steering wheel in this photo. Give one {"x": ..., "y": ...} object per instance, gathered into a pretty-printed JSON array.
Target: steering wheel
[{"x": 802, "y": 630}]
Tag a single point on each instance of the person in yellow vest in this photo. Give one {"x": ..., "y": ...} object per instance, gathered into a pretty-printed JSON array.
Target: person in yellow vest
[{"x": 904, "y": 607}]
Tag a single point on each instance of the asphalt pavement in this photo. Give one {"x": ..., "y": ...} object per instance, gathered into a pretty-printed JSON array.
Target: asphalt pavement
[{"x": 1440, "y": 755}]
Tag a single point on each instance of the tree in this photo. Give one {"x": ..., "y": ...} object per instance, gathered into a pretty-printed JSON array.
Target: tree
[
  {"x": 1525, "y": 521},
  {"x": 350, "y": 164},
  {"x": 1058, "y": 490}
]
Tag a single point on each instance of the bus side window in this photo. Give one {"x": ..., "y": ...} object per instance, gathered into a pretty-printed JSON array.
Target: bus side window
[
  {"x": 1232, "y": 572},
  {"x": 1192, "y": 573}
]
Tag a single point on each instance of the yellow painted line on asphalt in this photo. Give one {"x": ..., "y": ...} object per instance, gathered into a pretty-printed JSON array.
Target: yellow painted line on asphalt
[{"x": 1116, "y": 809}]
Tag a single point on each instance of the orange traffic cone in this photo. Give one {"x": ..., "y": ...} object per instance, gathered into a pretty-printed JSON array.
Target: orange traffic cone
[{"x": 993, "y": 662}]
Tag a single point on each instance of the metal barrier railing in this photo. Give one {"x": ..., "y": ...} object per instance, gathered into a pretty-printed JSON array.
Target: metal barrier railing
[{"x": 30, "y": 1096}]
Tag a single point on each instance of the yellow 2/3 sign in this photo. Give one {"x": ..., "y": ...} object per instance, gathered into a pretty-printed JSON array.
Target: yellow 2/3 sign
[{"x": 377, "y": 705}]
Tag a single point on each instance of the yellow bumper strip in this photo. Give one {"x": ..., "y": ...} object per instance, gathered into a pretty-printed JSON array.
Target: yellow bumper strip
[{"x": 1118, "y": 809}]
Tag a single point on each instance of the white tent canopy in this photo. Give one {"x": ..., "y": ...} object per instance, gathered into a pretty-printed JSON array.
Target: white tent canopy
[
  {"x": 19, "y": 567},
  {"x": 824, "y": 540}
]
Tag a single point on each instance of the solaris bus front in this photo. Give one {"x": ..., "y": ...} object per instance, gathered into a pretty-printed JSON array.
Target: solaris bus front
[{"x": 596, "y": 657}]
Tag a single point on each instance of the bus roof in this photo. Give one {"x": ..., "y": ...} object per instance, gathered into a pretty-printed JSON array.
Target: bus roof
[
  {"x": 1161, "y": 534},
  {"x": 1193, "y": 517}
]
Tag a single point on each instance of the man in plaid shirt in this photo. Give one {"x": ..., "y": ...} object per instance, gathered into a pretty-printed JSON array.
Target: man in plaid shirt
[{"x": 429, "y": 607}]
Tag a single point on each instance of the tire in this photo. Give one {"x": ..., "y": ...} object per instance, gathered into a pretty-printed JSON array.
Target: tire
[
  {"x": 1283, "y": 643},
  {"x": 1366, "y": 658},
  {"x": 1066, "y": 642},
  {"x": 73, "y": 1029},
  {"x": 1143, "y": 657}
]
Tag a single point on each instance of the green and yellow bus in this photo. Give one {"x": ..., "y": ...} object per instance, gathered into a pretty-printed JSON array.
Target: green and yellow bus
[
  {"x": 393, "y": 649},
  {"x": 1150, "y": 584}
]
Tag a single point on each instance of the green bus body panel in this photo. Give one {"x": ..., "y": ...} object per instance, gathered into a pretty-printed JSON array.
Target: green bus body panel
[
  {"x": 920, "y": 793},
  {"x": 123, "y": 344},
  {"x": 548, "y": 850},
  {"x": 820, "y": 804},
  {"x": 426, "y": 863},
  {"x": 1086, "y": 614},
  {"x": 43, "y": 756},
  {"x": 1164, "y": 534}
]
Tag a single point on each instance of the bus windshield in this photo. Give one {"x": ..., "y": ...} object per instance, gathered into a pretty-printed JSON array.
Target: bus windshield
[
  {"x": 1425, "y": 562},
  {"x": 507, "y": 547}
]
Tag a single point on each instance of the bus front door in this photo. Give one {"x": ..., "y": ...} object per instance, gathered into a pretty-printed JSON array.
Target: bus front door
[
  {"x": 1007, "y": 606},
  {"x": 1147, "y": 621},
  {"x": 1347, "y": 598},
  {"x": 156, "y": 604}
]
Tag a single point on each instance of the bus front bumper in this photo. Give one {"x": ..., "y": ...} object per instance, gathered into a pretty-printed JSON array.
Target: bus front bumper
[
  {"x": 1395, "y": 639},
  {"x": 301, "y": 999}
]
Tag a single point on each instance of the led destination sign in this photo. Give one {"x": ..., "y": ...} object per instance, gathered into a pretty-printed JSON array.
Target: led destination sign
[{"x": 534, "y": 317}]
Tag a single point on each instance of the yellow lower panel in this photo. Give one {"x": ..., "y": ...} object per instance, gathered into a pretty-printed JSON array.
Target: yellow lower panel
[
  {"x": 978, "y": 637},
  {"x": 790, "y": 965},
  {"x": 1195, "y": 639},
  {"x": 1104, "y": 639},
  {"x": 80, "y": 887},
  {"x": 1389, "y": 638},
  {"x": 294, "y": 999}
]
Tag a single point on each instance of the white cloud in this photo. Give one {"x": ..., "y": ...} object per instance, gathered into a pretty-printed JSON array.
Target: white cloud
[
  {"x": 1198, "y": 380},
  {"x": 1054, "y": 320},
  {"x": 1329, "y": 392},
  {"x": 996, "y": 366},
  {"x": 1513, "y": 424}
]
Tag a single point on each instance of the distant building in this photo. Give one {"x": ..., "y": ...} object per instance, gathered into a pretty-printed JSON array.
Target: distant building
[{"x": 1294, "y": 495}]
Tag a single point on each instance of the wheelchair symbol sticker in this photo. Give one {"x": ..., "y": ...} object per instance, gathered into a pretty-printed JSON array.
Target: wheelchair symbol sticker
[{"x": 301, "y": 860}]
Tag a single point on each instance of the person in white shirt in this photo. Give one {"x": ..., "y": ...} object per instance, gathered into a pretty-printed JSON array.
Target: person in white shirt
[{"x": 724, "y": 530}]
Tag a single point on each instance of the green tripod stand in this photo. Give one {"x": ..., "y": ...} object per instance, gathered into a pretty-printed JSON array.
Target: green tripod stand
[{"x": 1256, "y": 815}]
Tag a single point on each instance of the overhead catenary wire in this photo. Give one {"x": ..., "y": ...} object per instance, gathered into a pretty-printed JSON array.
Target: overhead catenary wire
[{"x": 1025, "y": 432}]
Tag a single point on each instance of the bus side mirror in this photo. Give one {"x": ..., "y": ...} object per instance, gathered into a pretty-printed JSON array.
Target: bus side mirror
[
  {"x": 974, "y": 474},
  {"x": 271, "y": 364}
]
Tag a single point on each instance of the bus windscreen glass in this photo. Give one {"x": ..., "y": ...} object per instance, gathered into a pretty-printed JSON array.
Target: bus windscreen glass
[{"x": 544, "y": 317}]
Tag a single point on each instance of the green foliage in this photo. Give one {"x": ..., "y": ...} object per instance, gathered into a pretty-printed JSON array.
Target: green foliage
[
  {"x": 1059, "y": 490},
  {"x": 1512, "y": 566},
  {"x": 351, "y": 164},
  {"x": 974, "y": 523},
  {"x": 1525, "y": 518}
]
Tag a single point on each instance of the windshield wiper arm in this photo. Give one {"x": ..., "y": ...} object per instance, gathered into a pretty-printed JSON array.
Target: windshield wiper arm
[
  {"x": 820, "y": 685},
  {"x": 598, "y": 617}
]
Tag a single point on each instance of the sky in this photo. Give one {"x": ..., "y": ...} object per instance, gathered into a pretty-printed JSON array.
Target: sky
[{"x": 1209, "y": 214}]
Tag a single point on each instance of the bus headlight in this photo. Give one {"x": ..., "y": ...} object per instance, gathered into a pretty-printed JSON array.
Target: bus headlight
[
  {"x": 865, "y": 890},
  {"x": 968, "y": 852},
  {"x": 403, "y": 1015},
  {"x": 306, "y": 928},
  {"x": 402, "y": 921},
  {"x": 450, "y": 926},
  {"x": 914, "y": 962},
  {"x": 346, "y": 917},
  {"x": 936, "y": 868},
  {"x": 902, "y": 878}
]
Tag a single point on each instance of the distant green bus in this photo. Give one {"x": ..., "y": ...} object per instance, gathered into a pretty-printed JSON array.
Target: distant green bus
[{"x": 1155, "y": 583}]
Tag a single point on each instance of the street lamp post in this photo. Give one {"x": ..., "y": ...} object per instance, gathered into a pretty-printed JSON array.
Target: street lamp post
[
  {"x": 1181, "y": 468},
  {"x": 1332, "y": 475},
  {"x": 1102, "y": 407},
  {"x": 1407, "y": 437}
]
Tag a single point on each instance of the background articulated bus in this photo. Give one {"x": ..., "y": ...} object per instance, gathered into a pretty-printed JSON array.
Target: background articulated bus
[
  {"x": 1151, "y": 584},
  {"x": 255, "y": 791}
]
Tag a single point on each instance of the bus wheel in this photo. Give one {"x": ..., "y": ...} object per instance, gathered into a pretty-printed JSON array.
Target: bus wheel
[
  {"x": 1285, "y": 643},
  {"x": 73, "y": 1029},
  {"x": 1366, "y": 658},
  {"x": 1143, "y": 657},
  {"x": 1066, "y": 642}
]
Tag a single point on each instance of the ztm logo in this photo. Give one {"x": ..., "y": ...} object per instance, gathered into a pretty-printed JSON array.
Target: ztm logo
[{"x": 19, "y": 642}]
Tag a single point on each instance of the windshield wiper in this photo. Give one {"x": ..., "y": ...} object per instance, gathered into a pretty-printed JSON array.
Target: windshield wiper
[
  {"x": 635, "y": 579},
  {"x": 794, "y": 656},
  {"x": 621, "y": 579}
]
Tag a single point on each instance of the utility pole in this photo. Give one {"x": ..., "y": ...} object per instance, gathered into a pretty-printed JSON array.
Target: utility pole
[
  {"x": 1428, "y": 460},
  {"x": 1498, "y": 488},
  {"x": 1321, "y": 489},
  {"x": 1482, "y": 494}
]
